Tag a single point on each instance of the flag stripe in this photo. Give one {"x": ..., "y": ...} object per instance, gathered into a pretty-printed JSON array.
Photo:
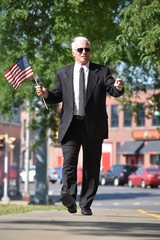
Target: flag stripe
[
  {"x": 13, "y": 72},
  {"x": 10, "y": 69},
  {"x": 18, "y": 72},
  {"x": 23, "y": 77},
  {"x": 16, "y": 75}
]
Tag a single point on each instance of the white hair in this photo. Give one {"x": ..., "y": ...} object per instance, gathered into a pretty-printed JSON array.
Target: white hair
[{"x": 77, "y": 39}]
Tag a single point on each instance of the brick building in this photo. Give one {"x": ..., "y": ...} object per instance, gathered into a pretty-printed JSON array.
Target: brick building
[
  {"x": 13, "y": 129},
  {"x": 132, "y": 140}
]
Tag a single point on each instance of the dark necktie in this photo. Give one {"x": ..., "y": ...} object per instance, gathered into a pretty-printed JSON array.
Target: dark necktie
[{"x": 81, "y": 92}]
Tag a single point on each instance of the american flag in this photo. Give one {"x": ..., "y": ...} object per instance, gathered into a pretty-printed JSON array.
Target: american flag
[{"x": 18, "y": 72}]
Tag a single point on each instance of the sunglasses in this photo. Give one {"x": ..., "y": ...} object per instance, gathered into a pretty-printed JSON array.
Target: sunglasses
[{"x": 80, "y": 50}]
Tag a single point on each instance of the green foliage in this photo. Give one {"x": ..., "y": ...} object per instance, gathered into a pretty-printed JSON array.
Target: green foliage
[
  {"x": 43, "y": 31},
  {"x": 137, "y": 45},
  {"x": 141, "y": 31}
]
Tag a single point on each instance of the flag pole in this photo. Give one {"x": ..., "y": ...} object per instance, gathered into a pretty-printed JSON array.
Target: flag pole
[{"x": 42, "y": 98}]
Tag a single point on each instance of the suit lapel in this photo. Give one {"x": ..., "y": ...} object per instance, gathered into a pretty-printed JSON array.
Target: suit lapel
[
  {"x": 69, "y": 83},
  {"x": 92, "y": 80}
]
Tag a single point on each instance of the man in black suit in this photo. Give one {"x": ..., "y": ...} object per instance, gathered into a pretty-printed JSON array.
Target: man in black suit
[{"x": 82, "y": 122}]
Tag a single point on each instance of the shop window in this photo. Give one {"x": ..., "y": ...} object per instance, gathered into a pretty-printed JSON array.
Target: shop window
[
  {"x": 140, "y": 160},
  {"x": 127, "y": 159},
  {"x": 155, "y": 159},
  {"x": 114, "y": 116}
]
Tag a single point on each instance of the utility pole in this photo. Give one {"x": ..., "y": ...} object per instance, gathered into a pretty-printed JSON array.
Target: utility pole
[
  {"x": 5, "y": 198},
  {"x": 41, "y": 155},
  {"x": 41, "y": 188},
  {"x": 26, "y": 195}
]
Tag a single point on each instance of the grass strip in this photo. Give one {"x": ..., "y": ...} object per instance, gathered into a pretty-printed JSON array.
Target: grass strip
[{"x": 9, "y": 209}]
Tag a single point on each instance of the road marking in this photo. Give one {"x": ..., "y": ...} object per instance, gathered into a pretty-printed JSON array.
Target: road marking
[
  {"x": 116, "y": 203},
  {"x": 136, "y": 203},
  {"x": 149, "y": 214}
]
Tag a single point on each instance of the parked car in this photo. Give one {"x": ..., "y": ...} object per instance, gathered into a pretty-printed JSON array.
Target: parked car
[
  {"x": 59, "y": 172},
  {"x": 117, "y": 175},
  {"x": 145, "y": 176},
  {"x": 79, "y": 174},
  {"x": 13, "y": 179},
  {"x": 31, "y": 174},
  {"x": 52, "y": 175}
]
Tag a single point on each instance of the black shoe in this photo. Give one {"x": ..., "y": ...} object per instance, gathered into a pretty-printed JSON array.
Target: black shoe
[
  {"x": 86, "y": 211},
  {"x": 69, "y": 202}
]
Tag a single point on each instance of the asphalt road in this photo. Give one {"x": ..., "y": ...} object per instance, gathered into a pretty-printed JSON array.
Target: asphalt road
[
  {"x": 128, "y": 198},
  {"x": 121, "y": 197}
]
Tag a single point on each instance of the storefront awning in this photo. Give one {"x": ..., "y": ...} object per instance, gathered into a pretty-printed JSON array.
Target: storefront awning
[
  {"x": 130, "y": 147},
  {"x": 152, "y": 147}
]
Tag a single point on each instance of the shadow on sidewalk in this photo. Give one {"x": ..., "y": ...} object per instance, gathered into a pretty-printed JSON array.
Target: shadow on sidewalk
[{"x": 87, "y": 228}]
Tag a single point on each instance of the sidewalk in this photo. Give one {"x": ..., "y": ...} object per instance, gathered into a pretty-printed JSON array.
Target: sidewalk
[{"x": 110, "y": 224}]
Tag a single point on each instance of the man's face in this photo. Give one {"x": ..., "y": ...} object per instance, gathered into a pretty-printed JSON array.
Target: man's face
[{"x": 81, "y": 52}]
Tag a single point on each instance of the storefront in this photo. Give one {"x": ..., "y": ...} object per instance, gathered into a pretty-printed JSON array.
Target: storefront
[
  {"x": 143, "y": 150},
  {"x": 131, "y": 151}
]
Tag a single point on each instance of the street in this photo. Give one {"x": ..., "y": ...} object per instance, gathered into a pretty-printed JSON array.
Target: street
[
  {"x": 121, "y": 197},
  {"x": 128, "y": 198}
]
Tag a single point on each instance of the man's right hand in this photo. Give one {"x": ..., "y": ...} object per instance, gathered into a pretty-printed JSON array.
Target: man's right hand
[{"x": 41, "y": 91}]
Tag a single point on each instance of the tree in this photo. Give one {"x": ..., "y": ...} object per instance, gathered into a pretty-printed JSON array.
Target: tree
[
  {"x": 140, "y": 31},
  {"x": 123, "y": 34},
  {"x": 43, "y": 30},
  {"x": 137, "y": 46}
]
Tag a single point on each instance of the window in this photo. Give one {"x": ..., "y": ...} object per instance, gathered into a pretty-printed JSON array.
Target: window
[
  {"x": 16, "y": 117},
  {"x": 114, "y": 116},
  {"x": 140, "y": 115},
  {"x": 1, "y": 118},
  {"x": 155, "y": 159},
  {"x": 140, "y": 171},
  {"x": 127, "y": 117},
  {"x": 156, "y": 121}
]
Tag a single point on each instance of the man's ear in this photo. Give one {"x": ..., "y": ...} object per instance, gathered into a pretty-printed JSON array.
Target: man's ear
[{"x": 73, "y": 53}]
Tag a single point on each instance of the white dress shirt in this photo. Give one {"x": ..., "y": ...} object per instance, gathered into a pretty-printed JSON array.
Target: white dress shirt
[{"x": 76, "y": 73}]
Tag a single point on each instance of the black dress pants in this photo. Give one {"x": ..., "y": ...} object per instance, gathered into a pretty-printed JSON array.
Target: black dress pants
[{"x": 76, "y": 137}]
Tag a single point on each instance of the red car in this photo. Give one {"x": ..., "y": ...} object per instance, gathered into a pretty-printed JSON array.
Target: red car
[
  {"x": 145, "y": 176},
  {"x": 12, "y": 179},
  {"x": 79, "y": 175}
]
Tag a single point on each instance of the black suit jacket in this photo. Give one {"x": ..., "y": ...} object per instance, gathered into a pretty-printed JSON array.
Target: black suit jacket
[{"x": 100, "y": 82}]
